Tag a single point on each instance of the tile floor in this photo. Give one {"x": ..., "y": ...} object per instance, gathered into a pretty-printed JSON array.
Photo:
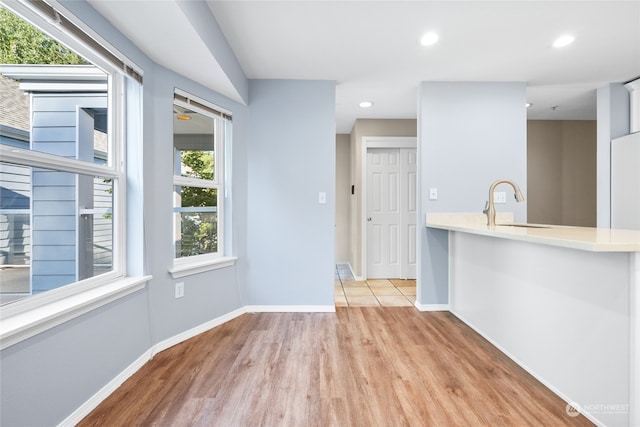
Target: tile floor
[{"x": 349, "y": 292}]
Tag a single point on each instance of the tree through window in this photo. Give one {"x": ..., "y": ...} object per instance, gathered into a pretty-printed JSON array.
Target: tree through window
[{"x": 198, "y": 140}]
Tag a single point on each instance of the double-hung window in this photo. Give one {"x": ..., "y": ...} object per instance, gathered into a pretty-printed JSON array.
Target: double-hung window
[
  {"x": 200, "y": 130},
  {"x": 62, "y": 166}
]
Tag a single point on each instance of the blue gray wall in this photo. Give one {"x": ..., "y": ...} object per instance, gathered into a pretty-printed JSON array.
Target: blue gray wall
[
  {"x": 62, "y": 368},
  {"x": 283, "y": 154},
  {"x": 291, "y": 159},
  {"x": 47, "y": 377},
  {"x": 207, "y": 295},
  {"x": 469, "y": 135}
]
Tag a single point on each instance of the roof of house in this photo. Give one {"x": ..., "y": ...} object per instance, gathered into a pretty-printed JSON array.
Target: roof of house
[{"x": 14, "y": 105}]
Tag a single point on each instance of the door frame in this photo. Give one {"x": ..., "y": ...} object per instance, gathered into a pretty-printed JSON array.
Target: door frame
[{"x": 376, "y": 142}]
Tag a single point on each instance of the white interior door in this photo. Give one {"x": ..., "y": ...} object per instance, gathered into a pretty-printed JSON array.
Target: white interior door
[{"x": 390, "y": 213}]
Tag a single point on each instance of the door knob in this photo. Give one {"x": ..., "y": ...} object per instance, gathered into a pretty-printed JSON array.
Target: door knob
[{"x": 369, "y": 219}]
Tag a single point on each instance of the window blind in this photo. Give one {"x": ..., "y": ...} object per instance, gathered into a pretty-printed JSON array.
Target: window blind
[
  {"x": 192, "y": 102},
  {"x": 59, "y": 19}
]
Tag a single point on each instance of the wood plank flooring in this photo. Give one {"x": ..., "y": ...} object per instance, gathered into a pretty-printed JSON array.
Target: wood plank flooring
[{"x": 369, "y": 366}]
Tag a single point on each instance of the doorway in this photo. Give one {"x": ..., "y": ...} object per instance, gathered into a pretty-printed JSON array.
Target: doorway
[{"x": 390, "y": 208}]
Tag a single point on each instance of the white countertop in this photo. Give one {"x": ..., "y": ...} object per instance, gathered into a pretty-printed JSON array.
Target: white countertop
[{"x": 584, "y": 238}]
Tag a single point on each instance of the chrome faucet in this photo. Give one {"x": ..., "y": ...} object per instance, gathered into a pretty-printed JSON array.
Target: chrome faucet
[{"x": 489, "y": 208}]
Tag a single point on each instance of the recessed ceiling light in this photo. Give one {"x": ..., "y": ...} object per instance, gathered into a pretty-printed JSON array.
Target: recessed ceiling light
[
  {"x": 429, "y": 39},
  {"x": 366, "y": 104},
  {"x": 563, "y": 41}
]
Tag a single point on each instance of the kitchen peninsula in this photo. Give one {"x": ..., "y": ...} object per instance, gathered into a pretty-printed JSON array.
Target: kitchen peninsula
[{"x": 560, "y": 301}]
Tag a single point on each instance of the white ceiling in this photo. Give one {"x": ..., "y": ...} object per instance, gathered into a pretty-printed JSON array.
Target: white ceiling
[{"x": 371, "y": 48}]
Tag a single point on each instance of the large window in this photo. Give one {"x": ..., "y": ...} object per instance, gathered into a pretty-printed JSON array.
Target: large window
[
  {"x": 62, "y": 182},
  {"x": 199, "y": 133}
]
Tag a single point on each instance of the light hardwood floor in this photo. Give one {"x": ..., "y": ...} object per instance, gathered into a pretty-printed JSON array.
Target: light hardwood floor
[{"x": 369, "y": 366}]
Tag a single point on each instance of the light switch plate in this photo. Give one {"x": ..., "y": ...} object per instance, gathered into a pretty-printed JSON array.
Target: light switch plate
[
  {"x": 179, "y": 290},
  {"x": 433, "y": 193},
  {"x": 322, "y": 197}
]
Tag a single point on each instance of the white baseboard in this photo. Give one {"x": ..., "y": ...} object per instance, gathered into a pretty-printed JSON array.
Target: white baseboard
[
  {"x": 432, "y": 307},
  {"x": 76, "y": 416},
  {"x": 290, "y": 308},
  {"x": 106, "y": 391},
  {"x": 86, "y": 408}
]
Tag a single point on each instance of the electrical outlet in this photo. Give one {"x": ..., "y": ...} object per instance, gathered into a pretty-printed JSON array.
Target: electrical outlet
[
  {"x": 322, "y": 197},
  {"x": 179, "y": 289},
  {"x": 499, "y": 197}
]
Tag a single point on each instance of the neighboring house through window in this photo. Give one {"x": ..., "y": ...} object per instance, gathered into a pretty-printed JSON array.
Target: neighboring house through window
[
  {"x": 62, "y": 171},
  {"x": 70, "y": 214},
  {"x": 15, "y": 190}
]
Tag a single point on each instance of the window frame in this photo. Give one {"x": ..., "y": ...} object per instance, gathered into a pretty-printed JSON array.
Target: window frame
[
  {"x": 33, "y": 314},
  {"x": 183, "y": 266}
]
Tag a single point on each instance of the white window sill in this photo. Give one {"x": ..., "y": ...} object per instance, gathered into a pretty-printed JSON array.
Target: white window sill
[
  {"x": 20, "y": 326},
  {"x": 187, "y": 268}
]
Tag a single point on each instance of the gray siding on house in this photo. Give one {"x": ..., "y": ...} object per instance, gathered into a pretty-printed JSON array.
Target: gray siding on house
[
  {"x": 15, "y": 181},
  {"x": 15, "y": 233},
  {"x": 61, "y": 102},
  {"x": 55, "y": 194},
  {"x": 54, "y": 229},
  {"x": 15, "y": 186},
  {"x": 13, "y": 137}
]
